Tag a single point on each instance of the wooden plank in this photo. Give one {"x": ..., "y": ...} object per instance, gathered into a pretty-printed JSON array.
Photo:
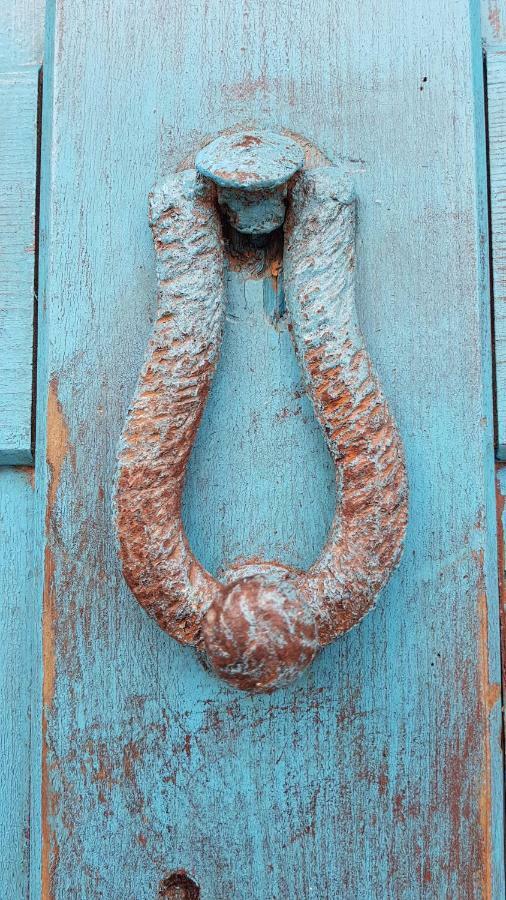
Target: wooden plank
[
  {"x": 18, "y": 161},
  {"x": 378, "y": 774},
  {"x": 501, "y": 534},
  {"x": 496, "y": 91},
  {"x": 16, "y": 641},
  {"x": 20, "y": 58}
]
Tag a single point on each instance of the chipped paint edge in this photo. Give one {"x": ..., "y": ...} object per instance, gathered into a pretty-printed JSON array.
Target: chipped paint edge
[
  {"x": 46, "y": 484},
  {"x": 492, "y": 794}
]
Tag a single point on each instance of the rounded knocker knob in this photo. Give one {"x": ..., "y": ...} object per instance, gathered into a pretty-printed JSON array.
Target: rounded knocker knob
[
  {"x": 262, "y": 622},
  {"x": 251, "y": 171}
]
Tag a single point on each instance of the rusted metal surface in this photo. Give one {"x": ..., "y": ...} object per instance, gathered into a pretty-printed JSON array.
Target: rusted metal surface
[
  {"x": 161, "y": 427},
  {"x": 251, "y": 160},
  {"x": 264, "y": 622},
  {"x": 262, "y": 633},
  {"x": 251, "y": 171},
  {"x": 365, "y": 541}
]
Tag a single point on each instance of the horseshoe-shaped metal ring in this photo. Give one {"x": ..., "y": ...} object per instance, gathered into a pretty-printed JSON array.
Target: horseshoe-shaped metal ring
[{"x": 263, "y": 623}]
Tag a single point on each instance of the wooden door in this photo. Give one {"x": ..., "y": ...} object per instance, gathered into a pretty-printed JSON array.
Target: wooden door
[{"x": 378, "y": 774}]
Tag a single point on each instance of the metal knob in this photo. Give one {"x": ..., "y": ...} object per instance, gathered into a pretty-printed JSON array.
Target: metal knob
[{"x": 251, "y": 170}]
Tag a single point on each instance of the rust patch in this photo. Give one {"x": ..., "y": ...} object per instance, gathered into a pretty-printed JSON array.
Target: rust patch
[
  {"x": 247, "y": 88},
  {"x": 56, "y": 453},
  {"x": 131, "y": 754},
  {"x": 490, "y": 693},
  {"x": 48, "y": 627},
  {"x": 29, "y": 473},
  {"x": 494, "y": 18},
  {"x": 501, "y": 561},
  {"x": 249, "y": 140},
  {"x": 57, "y": 446}
]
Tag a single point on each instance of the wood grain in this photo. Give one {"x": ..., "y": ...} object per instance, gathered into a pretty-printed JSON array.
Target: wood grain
[
  {"x": 379, "y": 774},
  {"x": 20, "y": 58},
  {"x": 501, "y": 534},
  {"x": 496, "y": 92},
  {"x": 17, "y": 637}
]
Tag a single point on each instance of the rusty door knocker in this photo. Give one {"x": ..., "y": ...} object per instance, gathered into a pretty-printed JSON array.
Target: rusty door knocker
[{"x": 263, "y": 622}]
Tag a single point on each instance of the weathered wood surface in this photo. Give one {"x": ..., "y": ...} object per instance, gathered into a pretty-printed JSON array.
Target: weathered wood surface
[
  {"x": 493, "y": 21},
  {"x": 18, "y": 633},
  {"x": 501, "y": 534},
  {"x": 379, "y": 774},
  {"x": 493, "y": 24},
  {"x": 20, "y": 56},
  {"x": 496, "y": 92}
]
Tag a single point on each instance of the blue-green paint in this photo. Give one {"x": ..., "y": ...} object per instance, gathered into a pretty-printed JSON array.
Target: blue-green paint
[
  {"x": 250, "y": 160},
  {"x": 20, "y": 56},
  {"x": 16, "y": 656},
  {"x": 251, "y": 170},
  {"x": 493, "y": 21},
  {"x": 496, "y": 93},
  {"x": 368, "y": 778},
  {"x": 241, "y": 406}
]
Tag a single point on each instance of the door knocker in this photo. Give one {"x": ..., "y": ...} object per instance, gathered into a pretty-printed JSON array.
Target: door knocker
[{"x": 263, "y": 622}]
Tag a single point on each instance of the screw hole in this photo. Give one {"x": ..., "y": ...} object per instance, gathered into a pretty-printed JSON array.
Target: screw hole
[{"x": 178, "y": 886}]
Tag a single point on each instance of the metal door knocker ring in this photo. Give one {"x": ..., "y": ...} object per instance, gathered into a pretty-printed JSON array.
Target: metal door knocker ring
[{"x": 263, "y": 622}]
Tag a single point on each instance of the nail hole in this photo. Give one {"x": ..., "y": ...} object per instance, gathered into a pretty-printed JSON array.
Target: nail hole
[{"x": 178, "y": 886}]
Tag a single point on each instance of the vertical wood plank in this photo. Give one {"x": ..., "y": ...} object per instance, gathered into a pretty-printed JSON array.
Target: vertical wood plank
[
  {"x": 496, "y": 91},
  {"x": 20, "y": 59},
  {"x": 17, "y": 610},
  {"x": 21, "y": 38},
  {"x": 18, "y": 163},
  {"x": 501, "y": 535},
  {"x": 377, "y": 775}
]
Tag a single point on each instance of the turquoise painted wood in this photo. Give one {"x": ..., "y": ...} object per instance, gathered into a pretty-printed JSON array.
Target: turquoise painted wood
[
  {"x": 496, "y": 92},
  {"x": 501, "y": 520},
  {"x": 21, "y": 37},
  {"x": 493, "y": 22},
  {"x": 379, "y": 773},
  {"x": 18, "y": 633},
  {"x": 494, "y": 39},
  {"x": 20, "y": 55}
]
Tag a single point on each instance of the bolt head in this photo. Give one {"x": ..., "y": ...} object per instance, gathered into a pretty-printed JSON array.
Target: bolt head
[{"x": 250, "y": 160}]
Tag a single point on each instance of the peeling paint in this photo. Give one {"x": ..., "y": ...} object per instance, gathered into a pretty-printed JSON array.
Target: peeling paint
[
  {"x": 490, "y": 694},
  {"x": 57, "y": 446},
  {"x": 501, "y": 562},
  {"x": 494, "y": 18},
  {"x": 56, "y": 453},
  {"x": 29, "y": 474}
]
